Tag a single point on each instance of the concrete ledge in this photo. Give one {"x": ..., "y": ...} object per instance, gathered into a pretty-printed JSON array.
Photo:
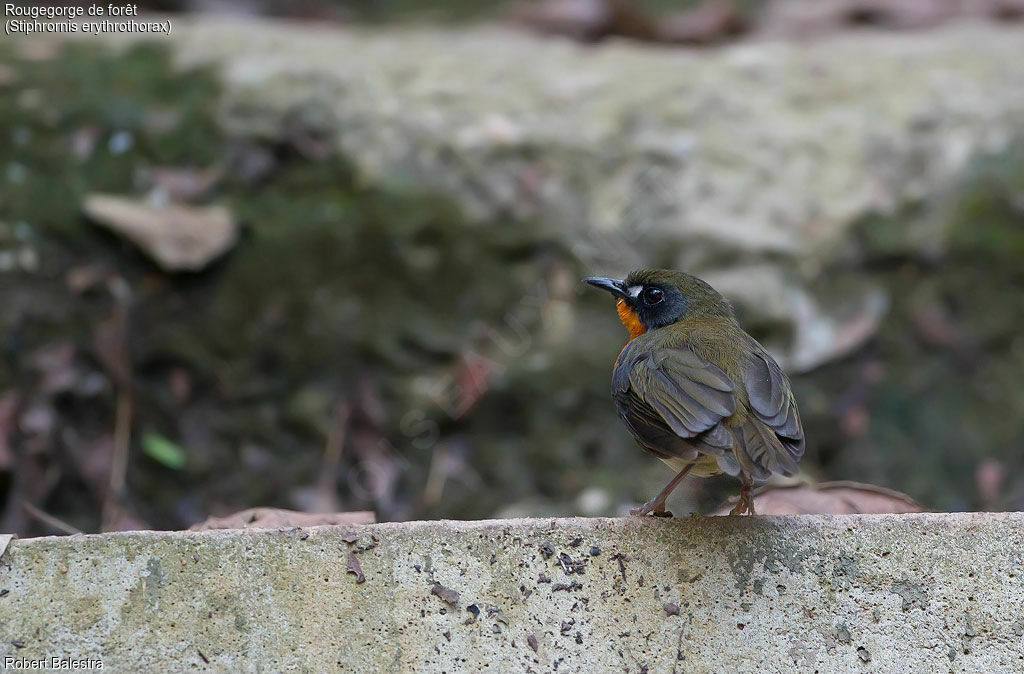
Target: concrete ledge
[{"x": 880, "y": 593}]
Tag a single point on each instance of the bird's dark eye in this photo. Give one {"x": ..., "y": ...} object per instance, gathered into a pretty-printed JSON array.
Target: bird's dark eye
[{"x": 652, "y": 296}]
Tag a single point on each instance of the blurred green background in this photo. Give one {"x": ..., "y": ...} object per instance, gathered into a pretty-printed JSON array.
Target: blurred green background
[{"x": 367, "y": 344}]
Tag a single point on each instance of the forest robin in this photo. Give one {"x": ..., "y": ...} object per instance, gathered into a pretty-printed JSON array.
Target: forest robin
[{"x": 697, "y": 391}]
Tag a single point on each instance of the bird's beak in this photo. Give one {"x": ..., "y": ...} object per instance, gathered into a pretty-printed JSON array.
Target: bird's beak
[{"x": 614, "y": 286}]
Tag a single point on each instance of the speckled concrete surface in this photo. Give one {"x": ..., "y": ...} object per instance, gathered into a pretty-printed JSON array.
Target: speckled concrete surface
[{"x": 871, "y": 593}]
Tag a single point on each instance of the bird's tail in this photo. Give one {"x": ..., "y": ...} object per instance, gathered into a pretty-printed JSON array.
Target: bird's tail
[{"x": 759, "y": 452}]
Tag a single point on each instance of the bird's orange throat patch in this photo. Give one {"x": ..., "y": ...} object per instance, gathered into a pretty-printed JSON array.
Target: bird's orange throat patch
[{"x": 630, "y": 319}]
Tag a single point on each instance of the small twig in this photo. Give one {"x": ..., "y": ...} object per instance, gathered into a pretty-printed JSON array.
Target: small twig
[
  {"x": 446, "y": 463},
  {"x": 436, "y": 477},
  {"x": 327, "y": 487},
  {"x": 11, "y": 519},
  {"x": 48, "y": 519},
  {"x": 119, "y": 461},
  {"x": 110, "y": 341}
]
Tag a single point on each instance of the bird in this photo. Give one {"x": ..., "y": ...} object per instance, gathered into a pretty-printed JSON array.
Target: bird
[{"x": 695, "y": 390}]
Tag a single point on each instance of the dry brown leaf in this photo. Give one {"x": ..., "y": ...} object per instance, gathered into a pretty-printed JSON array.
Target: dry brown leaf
[
  {"x": 178, "y": 238},
  {"x": 355, "y": 568},
  {"x": 828, "y": 498},
  {"x": 447, "y": 595}
]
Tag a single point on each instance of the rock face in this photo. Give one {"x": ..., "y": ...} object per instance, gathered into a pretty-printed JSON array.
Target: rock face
[
  {"x": 916, "y": 593},
  {"x": 809, "y": 182},
  {"x": 708, "y": 161}
]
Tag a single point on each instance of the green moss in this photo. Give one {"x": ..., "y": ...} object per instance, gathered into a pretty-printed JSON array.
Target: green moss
[
  {"x": 132, "y": 109},
  {"x": 985, "y": 214}
]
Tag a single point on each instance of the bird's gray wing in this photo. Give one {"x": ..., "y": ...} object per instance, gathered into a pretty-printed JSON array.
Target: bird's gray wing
[
  {"x": 773, "y": 440},
  {"x": 673, "y": 402}
]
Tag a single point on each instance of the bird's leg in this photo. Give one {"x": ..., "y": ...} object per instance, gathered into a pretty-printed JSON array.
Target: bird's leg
[
  {"x": 657, "y": 504},
  {"x": 746, "y": 504}
]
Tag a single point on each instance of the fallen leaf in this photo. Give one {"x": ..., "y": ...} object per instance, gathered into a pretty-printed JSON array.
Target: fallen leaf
[
  {"x": 827, "y": 498},
  {"x": 177, "y": 237},
  {"x": 447, "y": 595},
  {"x": 163, "y": 451},
  {"x": 355, "y": 568}
]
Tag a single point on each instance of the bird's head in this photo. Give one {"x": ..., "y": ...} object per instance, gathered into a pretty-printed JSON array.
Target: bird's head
[{"x": 649, "y": 299}]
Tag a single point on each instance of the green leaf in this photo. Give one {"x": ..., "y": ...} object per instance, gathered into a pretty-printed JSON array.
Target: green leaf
[{"x": 163, "y": 451}]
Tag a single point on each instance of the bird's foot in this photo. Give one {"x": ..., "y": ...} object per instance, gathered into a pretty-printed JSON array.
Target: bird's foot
[
  {"x": 654, "y": 507},
  {"x": 745, "y": 506}
]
